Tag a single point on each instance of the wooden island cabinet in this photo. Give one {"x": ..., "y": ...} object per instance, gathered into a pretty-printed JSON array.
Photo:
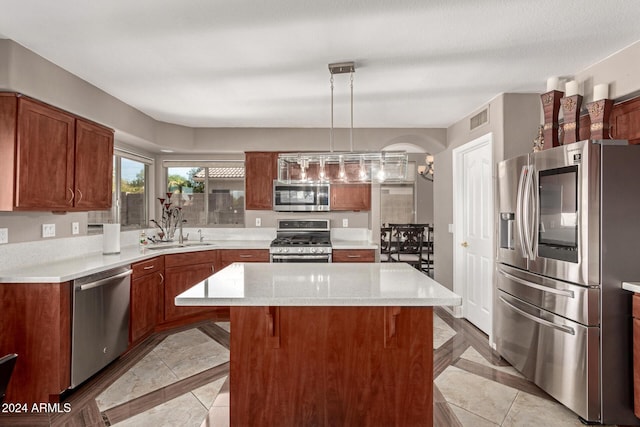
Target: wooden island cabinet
[
  {"x": 328, "y": 344},
  {"x": 329, "y": 366}
]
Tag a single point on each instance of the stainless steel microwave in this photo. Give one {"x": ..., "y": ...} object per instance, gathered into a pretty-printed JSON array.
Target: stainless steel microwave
[{"x": 301, "y": 197}]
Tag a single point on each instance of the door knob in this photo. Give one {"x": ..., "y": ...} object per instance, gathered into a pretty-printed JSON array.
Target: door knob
[{"x": 464, "y": 244}]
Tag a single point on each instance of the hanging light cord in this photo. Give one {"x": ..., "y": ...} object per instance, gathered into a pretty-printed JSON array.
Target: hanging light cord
[
  {"x": 351, "y": 131},
  {"x": 331, "y": 131}
]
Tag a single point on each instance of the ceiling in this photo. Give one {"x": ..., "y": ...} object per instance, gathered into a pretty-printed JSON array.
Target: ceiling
[{"x": 258, "y": 63}]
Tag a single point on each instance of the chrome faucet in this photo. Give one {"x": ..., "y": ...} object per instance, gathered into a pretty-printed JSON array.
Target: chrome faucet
[{"x": 200, "y": 234}]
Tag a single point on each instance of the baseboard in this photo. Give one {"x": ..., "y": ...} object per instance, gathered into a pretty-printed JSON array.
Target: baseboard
[{"x": 454, "y": 311}]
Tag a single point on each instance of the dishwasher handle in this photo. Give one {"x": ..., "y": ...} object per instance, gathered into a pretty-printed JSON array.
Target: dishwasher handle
[{"x": 103, "y": 282}]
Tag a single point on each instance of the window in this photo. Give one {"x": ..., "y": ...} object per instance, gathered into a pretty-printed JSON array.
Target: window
[
  {"x": 210, "y": 194},
  {"x": 130, "y": 193}
]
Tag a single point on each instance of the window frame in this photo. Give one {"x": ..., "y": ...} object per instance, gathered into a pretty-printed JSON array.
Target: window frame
[{"x": 205, "y": 163}]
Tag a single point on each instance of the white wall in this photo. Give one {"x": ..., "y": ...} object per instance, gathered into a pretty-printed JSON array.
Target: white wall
[{"x": 513, "y": 121}]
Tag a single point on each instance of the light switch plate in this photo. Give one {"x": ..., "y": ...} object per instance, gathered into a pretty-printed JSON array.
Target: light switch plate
[
  {"x": 48, "y": 230},
  {"x": 258, "y": 222},
  {"x": 4, "y": 235},
  {"x": 75, "y": 228},
  {"x": 345, "y": 222}
]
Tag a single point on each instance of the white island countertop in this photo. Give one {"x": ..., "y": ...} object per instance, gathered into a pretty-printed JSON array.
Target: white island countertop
[{"x": 317, "y": 284}]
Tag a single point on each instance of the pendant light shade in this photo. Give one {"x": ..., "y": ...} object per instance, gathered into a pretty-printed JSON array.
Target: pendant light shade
[{"x": 347, "y": 166}]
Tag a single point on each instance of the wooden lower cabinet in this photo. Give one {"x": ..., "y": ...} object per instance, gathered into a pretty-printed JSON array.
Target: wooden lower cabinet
[
  {"x": 353, "y": 255},
  {"x": 229, "y": 256},
  {"x": 182, "y": 271},
  {"x": 35, "y": 323},
  {"x": 147, "y": 294},
  {"x": 326, "y": 366}
]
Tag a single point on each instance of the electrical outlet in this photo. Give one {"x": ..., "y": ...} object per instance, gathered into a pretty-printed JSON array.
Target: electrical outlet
[
  {"x": 4, "y": 235},
  {"x": 75, "y": 228},
  {"x": 345, "y": 222},
  {"x": 48, "y": 230},
  {"x": 258, "y": 222}
]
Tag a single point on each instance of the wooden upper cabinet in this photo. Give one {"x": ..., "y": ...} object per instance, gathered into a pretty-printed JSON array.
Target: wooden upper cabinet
[
  {"x": 51, "y": 159},
  {"x": 350, "y": 197},
  {"x": 261, "y": 168},
  {"x": 93, "y": 164},
  {"x": 45, "y": 154}
]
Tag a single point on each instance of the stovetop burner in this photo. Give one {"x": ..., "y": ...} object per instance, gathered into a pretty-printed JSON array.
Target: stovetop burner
[
  {"x": 295, "y": 240},
  {"x": 306, "y": 236}
]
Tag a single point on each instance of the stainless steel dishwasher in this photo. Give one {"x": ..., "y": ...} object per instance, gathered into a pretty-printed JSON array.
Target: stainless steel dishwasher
[{"x": 100, "y": 323}]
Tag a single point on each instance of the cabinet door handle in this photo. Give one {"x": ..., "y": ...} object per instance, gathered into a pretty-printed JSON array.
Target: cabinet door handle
[
  {"x": 246, "y": 256},
  {"x": 161, "y": 278},
  {"x": 273, "y": 326},
  {"x": 391, "y": 327},
  {"x": 213, "y": 269},
  {"x": 148, "y": 267},
  {"x": 72, "y": 195},
  {"x": 79, "y": 194},
  {"x": 353, "y": 256}
]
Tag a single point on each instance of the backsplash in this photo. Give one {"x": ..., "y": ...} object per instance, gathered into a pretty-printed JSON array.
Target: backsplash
[{"x": 25, "y": 254}]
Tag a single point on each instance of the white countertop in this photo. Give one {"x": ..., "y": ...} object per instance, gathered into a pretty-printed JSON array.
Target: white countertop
[
  {"x": 631, "y": 286},
  {"x": 316, "y": 284},
  {"x": 352, "y": 244},
  {"x": 94, "y": 262}
]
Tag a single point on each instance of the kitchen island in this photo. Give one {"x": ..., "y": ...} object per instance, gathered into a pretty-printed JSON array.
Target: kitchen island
[{"x": 328, "y": 344}]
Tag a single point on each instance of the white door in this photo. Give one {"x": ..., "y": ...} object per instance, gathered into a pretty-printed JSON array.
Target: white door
[{"x": 473, "y": 245}]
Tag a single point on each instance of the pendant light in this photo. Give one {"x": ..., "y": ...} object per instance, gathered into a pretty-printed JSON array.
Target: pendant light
[{"x": 352, "y": 167}]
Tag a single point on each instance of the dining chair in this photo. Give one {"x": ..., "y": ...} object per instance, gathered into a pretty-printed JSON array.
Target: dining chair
[
  {"x": 7, "y": 364},
  {"x": 409, "y": 245},
  {"x": 427, "y": 251},
  {"x": 386, "y": 243}
]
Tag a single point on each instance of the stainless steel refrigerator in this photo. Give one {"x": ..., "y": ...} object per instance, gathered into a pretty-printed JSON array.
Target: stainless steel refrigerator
[{"x": 568, "y": 235}]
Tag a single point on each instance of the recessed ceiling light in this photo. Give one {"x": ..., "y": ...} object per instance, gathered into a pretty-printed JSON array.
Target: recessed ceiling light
[{"x": 166, "y": 151}]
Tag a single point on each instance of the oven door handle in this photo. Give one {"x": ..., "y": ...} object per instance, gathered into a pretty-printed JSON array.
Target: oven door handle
[
  {"x": 564, "y": 293},
  {"x": 562, "y": 328},
  {"x": 300, "y": 256}
]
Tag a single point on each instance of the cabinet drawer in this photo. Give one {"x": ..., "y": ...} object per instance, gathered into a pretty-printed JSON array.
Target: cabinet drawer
[
  {"x": 190, "y": 258},
  {"x": 354, "y": 255},
  {"x": 148, "y": 266},
  {"x": 244, "y": 255},
  {"x": 636, "y": 306}
]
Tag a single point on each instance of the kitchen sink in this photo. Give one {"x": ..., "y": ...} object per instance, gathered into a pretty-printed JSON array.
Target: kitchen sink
[{"x": 156, "y": 246}]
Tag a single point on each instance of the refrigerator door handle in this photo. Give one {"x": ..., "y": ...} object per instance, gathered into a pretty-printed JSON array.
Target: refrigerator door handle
[
  {"x": 519, "y": 213},
  {"x": 562, "y": 292},
  {"x": 562, "y": 328},
  {"x": 526, "y": 206}
]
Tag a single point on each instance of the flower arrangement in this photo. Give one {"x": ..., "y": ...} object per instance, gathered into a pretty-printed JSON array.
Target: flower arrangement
[{"x": 171, "y": 217}]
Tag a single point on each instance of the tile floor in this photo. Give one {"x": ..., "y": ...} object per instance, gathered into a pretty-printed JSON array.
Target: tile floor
[{"x": 180, "y": 379}]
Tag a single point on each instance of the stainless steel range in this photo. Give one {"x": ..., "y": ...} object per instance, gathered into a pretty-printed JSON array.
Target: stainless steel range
[{"x": 307, "y": 240}]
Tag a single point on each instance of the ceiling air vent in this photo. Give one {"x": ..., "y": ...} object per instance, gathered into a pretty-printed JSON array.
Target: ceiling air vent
[{"x": 479, "y": 119}]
